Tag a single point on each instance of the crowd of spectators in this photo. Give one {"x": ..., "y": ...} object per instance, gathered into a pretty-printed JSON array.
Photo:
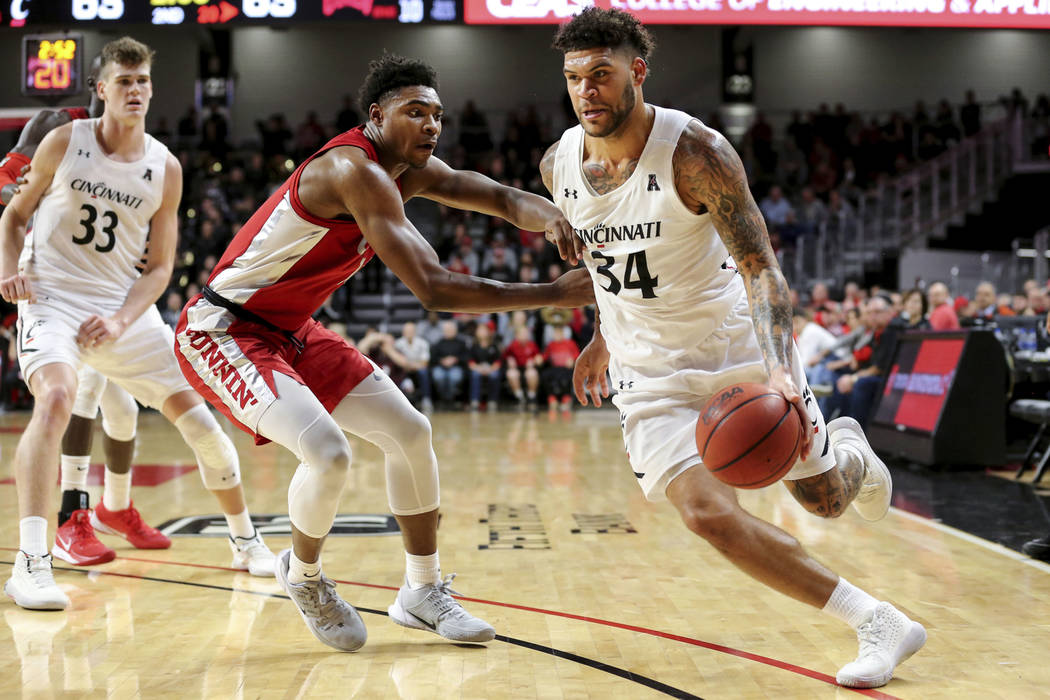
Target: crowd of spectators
[
  {"x": 847, "y": 341},
  {"x": 802, "y": 175}
]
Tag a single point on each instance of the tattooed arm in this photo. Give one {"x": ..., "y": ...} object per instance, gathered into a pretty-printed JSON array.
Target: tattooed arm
[{"x": 710, "y": 177}]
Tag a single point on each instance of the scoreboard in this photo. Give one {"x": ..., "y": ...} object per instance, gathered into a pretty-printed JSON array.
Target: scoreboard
[
  {"x": 52, "y": 65},
  {"x": 68, "y": 13}
]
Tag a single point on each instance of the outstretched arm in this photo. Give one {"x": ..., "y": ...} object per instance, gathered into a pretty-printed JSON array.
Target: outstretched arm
[
  {"x": 709, "y": 175},
  {"x": 465, "y": 189},
  {"x": 371, "y": 197}
]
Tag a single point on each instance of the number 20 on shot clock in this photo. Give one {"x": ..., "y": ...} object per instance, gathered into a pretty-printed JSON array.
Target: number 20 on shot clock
[{"x": 52, "y": 65}]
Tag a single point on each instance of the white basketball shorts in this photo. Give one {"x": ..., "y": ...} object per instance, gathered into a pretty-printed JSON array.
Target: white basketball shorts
[
  {"x": 659, "y": 427},
  {"x": 142, "y": 361}
]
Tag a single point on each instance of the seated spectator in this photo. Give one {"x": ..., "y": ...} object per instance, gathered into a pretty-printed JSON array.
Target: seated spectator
[
  {"x": 1038, "y": 303},
  {"x": 942, "y": 311},
  {"x": 172, "y": 308},
  {"x": 818, "y": 296},
  {"x": 430, "y": 328},
  {"x": 811, "y": 212},
  {"x": 347, "y": 118},
  {"x": 376, "y": 346},
  {"x": 522, "y": 357},
  {"x": 483, "y": 361},
  {"x": 855, "y": 393},
  {"x": 775, "y": 206},
  {"x": 913, "y": 316},
  {"x": 814, "y": 347},
  {"x": 499, "y": 268},
  {"x": 560, "y": 357},
  {"x": 446, "y": 364},
  {"x": 413, "y": 355}
]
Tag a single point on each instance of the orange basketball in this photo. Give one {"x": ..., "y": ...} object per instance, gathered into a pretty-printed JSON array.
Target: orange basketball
[{"x": 748, "y": 435}]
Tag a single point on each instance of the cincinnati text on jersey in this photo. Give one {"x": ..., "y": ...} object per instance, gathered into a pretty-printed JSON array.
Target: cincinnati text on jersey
[
  {"x": 104, "y": 191},
  {"x": 629, "y": 232}
]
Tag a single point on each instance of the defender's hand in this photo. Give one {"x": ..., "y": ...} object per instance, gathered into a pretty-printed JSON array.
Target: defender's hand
[
  {"x": 780, "y": 380},
  {"x": 574, "y": 289},
  {"x": 560, "y": 233},
  {"x": 589, "y": 374}
]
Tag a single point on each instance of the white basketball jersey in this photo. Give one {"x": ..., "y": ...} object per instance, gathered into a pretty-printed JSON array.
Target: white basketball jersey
[
  {"x": 660, "y": 272},
  {"x": 90, "y": 227}
]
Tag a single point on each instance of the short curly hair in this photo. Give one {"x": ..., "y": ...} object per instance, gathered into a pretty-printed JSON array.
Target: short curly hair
[
  {"x": 598, "y": 28},
  {"x": 391, "y": 72}
]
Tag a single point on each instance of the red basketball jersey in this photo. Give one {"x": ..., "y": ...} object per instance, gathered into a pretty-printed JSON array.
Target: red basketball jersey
[{"x": 284, "y": 262}]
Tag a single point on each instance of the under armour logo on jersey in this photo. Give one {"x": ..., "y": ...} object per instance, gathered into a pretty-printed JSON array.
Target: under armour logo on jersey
[
  {"x": 82, "y": 152},
  {"x": 626, "y": 385},
  {"x": 653, "y": 186},
  {"x": 570, "y": 193},
  {"x": 148, "y": 175}
]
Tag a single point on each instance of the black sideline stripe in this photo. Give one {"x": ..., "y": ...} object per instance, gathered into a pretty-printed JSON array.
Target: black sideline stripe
[{"x": 557, "y": 653}]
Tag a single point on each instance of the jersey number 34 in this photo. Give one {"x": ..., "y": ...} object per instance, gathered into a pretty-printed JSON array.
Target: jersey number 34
[{"x": 635, "y": 276}]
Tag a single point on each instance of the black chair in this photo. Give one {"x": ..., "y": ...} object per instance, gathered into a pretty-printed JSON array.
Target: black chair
[{"x": 1034, "y": 411}]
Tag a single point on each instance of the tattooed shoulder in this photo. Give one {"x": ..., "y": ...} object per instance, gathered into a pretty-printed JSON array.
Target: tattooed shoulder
[{"x": 709, "y": 175}]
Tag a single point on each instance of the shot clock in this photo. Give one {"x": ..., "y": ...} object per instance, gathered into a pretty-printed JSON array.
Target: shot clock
[{"x": 52, "y": 65}]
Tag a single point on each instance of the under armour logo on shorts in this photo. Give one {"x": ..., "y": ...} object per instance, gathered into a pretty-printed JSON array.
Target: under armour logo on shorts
[{"x": 570, "y": 193}]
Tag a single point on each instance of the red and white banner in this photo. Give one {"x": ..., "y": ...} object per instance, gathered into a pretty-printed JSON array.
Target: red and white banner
[{"x": 1022, "y": 14}]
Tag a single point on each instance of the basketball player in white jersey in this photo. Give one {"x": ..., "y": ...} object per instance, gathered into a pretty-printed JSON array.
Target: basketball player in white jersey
[
  {"x": 660, "y": 203},
  {"x": 97, "y": 188},
  {"x": 75, "y": 540}
]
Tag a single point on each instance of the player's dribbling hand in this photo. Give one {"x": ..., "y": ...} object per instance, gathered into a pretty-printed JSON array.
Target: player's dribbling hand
[
  {"x": 96, "y": 331},
  {"x": 589, "y": 374},
  {"x": 780, "y": 379},
  {"x": 560, "y": 233},
  {"x": 17, "y": 288}
]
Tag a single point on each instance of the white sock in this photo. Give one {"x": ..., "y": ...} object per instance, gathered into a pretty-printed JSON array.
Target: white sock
[
  {"x": 241, "y": 524},
  {"x": 116, "y": 491},
  {"x": 75, "y": 472},
  {"x": 301, "y": 571},
  {"x": 32, "y": 535},
  {"x": 850, "y": 604},
  {"x": 422, "y": 569}
]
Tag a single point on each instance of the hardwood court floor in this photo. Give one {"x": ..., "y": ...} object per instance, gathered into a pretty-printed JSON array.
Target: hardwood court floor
[{"x": 643, "y": 610}]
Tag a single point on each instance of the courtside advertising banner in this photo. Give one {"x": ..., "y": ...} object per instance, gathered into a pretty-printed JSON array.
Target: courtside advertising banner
[{"x": 1021, "y": 14}]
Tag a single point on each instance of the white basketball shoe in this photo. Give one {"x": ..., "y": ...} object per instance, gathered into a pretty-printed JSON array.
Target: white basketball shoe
[
  {"x": 876, "y": 490},
  {"x": 432, "y": 608},
  {"x": 886, "y": 641},
  {"x": 32, "y": 584},
  {"x": 252, "y": 555}
]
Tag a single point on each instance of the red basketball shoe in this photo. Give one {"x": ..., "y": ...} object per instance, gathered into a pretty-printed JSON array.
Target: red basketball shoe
[
  {"x": 128, "y": 524},
  {"x": 76, "y": 543}
]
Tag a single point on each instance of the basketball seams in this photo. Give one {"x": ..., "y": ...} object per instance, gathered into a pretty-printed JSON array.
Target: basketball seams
[
  {"x": 758, "y": 442},
  {"x": 723, "y": 419},
  {"x": 781, "y": 470}
]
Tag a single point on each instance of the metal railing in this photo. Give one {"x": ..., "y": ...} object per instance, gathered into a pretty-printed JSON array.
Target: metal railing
[{"x": 909, "y": 209}]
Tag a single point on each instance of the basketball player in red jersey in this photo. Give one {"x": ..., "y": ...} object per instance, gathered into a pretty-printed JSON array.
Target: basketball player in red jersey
[
  {"x": 248, "y": 344},
  {"x": 75, "y": 540},
  {"x": 663, "y": 202}
]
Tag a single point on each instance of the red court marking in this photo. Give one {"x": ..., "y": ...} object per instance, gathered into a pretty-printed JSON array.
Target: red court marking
[
  {"x": 12, "y": 430},
  {"x": 783, "y": 665},
  {"x": 148, "y": 475}
]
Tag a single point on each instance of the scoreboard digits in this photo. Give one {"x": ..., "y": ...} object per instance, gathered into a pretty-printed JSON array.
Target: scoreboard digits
[{"x": 52, "y": 65}]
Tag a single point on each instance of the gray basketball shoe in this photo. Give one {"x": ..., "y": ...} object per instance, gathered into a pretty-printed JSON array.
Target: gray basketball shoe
[
  {"x": 329, "y": 617},
  {"x": 432, "y": 608}
]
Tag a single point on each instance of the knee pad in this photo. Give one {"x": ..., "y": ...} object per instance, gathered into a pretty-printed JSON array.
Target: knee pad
[
  {"x": 412, "y": 482},
  {"x": 120, "y": 413},
  {"x": 313, "y": 495},
  {"x": 90, "y": 385},
  {"x": 216, "y": 457}
]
